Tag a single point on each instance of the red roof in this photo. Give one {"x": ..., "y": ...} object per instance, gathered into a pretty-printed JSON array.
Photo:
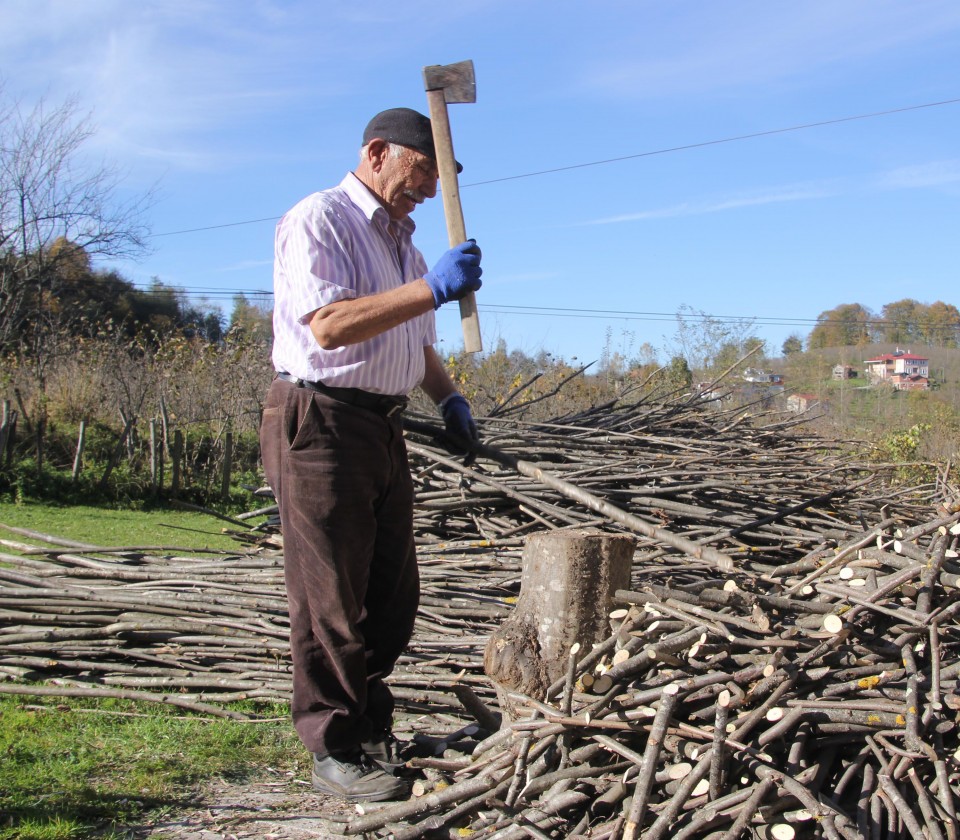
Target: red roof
[{"x": 892, "y": 357}]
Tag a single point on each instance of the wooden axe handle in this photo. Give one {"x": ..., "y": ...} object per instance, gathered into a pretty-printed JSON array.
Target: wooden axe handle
[{"x": 452, "y": 211}]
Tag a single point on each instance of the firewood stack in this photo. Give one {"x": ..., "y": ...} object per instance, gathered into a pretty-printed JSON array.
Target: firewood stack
[
  {"x": 784, "y": 659},
  {"x": 816, "y": 699}
]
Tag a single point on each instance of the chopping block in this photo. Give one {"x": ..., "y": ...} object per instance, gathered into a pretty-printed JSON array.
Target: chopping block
[{"x": 567, "y": 588}]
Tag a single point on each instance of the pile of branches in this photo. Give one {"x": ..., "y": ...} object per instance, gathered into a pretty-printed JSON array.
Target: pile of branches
[
  {"x": 819, "y": 698},
  {"x": 740, "y": 480},
  {"x": 205, "y": 629},
  {"x": 785, "y": 656}
]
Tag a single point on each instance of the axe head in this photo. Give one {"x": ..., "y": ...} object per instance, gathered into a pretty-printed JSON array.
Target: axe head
[{"x": 457, "y": 81}]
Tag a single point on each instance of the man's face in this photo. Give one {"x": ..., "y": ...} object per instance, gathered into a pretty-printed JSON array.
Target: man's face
[{"x": 405, "y": 181}]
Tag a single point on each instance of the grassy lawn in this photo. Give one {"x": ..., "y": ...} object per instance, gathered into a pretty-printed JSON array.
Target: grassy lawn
[
  {"x": 107, "y": 527},
  {"x": 80, "y": 768}
]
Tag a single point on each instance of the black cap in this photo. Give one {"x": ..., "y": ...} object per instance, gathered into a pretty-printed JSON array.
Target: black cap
[{"x": 405, "y": 127}]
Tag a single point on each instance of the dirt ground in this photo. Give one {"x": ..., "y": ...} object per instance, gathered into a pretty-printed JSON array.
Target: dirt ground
[
  {"x": 278, "y": 805},
  {"x": 284, "y": 809},
  {"x": 281, "y": 806}
]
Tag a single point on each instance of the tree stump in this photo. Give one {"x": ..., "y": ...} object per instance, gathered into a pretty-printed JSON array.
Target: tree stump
[{"x": 566, "y": 591}]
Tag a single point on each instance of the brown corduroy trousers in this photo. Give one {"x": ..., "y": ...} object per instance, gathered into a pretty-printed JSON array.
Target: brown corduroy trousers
[{"x": 343, "y": 485}]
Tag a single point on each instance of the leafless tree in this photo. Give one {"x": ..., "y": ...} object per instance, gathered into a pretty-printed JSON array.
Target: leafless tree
[
  {"x": 49, "y": 193},
  {"x": 699, "y": 337},
  {"x": 54, "y": 205}
]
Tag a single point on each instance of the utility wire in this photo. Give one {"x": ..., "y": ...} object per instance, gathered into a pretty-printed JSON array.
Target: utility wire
[
  {"x": 749, "y": 320},
  {"x": 733, "y": 139},
  {"x": 687, "y": 147},
  {"x": 572, "y": 312},
  {"x": 651, "y": 316},
  {"x": 213, "y": 227}
]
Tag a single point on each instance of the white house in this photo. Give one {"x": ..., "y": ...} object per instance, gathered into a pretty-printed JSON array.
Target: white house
[
  {"x": 755, "y": 375},
  {"x": 898, "y": 367}
]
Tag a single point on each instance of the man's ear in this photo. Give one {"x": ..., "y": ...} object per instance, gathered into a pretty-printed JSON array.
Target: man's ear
[{"x": 377, "y": 153}]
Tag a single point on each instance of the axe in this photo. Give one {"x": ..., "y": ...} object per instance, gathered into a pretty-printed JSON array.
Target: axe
[{"x": 452, "y": 83}]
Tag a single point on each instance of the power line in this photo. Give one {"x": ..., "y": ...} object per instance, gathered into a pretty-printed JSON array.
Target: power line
[
  {"x": 213, "y": 227},
  {"x": 644, "y": 316},
  {"x": 733, "y": 139},
  {"x": 599, "y": 314},
  {"x": 687, "y": 147},
  {"x": 747, "y": 320},
  {"x": 163, "y": 290}
]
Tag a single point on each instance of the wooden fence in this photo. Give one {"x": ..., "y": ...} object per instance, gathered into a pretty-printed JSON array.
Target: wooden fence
[{"x": 151, "y": 447}]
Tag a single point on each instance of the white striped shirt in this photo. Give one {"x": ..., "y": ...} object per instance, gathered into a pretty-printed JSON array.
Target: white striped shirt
[{"x": 336, "y": 245}]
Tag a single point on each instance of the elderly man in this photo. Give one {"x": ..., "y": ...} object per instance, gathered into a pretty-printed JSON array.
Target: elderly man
[{"x": 353, "y": 335}]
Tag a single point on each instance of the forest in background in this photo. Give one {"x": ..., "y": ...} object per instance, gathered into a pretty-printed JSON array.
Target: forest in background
[{"x": 172, "y": 374}]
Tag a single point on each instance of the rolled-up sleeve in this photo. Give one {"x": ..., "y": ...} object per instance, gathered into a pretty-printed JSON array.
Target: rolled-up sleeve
[{"x": 312, "y": 263}]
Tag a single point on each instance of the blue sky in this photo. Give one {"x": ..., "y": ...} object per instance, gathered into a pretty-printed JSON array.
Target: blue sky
[{"x": 591, "y": 178}]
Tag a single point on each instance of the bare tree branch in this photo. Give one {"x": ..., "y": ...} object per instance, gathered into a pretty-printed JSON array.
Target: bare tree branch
[{"x": 48, "y": 194}]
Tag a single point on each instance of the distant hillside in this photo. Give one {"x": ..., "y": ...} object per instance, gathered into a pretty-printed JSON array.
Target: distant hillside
[
  {"x": 944, "y": 361},
  {"x": 856, "y": 408}
]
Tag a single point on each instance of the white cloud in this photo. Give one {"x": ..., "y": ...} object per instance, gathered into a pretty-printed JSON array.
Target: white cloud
[
  {"x": 918, "y": 176},
  {"x": 702, "y": 207},
  {"x": 934, "y": 174},
  {"x": 164, "y": 80},
  {"x": 701, "y": 48}
]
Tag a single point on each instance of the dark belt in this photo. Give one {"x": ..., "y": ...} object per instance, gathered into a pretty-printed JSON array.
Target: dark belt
[{"x": 384, "y": 404}]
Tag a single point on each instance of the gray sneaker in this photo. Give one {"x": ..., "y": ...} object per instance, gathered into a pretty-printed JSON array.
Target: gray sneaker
[{"x": 354, "y": 777}]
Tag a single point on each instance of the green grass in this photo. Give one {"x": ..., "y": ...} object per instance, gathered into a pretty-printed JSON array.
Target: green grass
[
  {"x": 78, "y": 769},
  {"x": 108, "y": 527}
]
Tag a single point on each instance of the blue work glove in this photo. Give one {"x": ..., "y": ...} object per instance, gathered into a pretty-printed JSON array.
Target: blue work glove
[
  {"x": 458, "y": 419},
  {"x": 456, "y": 273}
]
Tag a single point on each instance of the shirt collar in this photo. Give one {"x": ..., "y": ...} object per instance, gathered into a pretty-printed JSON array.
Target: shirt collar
[{"x": 361, "y": 195}]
